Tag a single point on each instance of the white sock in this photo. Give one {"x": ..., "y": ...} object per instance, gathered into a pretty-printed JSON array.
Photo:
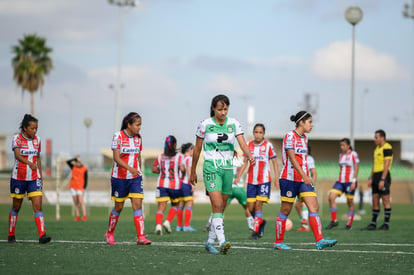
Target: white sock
[
  {"x": 211, "y": 234},
  {"x": 250, "y": 222},
  {"x": 218, "y": 226}
]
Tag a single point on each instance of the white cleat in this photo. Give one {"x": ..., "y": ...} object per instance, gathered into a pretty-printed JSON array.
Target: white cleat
[
  {"x": 158, "y": 229},
  {"x": 167, "y": 226}
]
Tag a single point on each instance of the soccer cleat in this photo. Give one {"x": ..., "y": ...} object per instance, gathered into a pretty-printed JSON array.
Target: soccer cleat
[
  {"x": 332, "y": 225},
  {"x": 370, "y": 227},
  {"x": 142, "y": 240},
  {"x": 262, "y": 229},
  {"x": 324, "y": 243},
  {"x": 384, "y": 227},
  {"x": 348, "y": 227},
  {"x": 304, "y": 221},
  {"x": 45, "y": 239},
  {"x": 179, "y": 228},
  {"x": 210, "y": 248},
  {"x": 254, "y": 236},
  {"x": 224, "y": 248},
  {"x": 189, "y": 229},
  {"x": 303, "y": 229},
  {"x": 84, "y": 218},
  {"x": 206, "y": 227},
  {"x": 281, "y": 246},
  {"x": 158, "y": 229},
  {"x": 167, "y": 226},
  {"x": 110, "y": 238},
  {"x": 11, "y": 239},
  {"x": 77, "y": 219}
]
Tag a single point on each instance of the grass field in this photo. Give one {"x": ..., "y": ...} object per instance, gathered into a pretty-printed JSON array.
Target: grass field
[{"x": 79, "y": 247}]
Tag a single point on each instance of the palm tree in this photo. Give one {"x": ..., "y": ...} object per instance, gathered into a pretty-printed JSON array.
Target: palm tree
[{"x": 30, "y": 64}]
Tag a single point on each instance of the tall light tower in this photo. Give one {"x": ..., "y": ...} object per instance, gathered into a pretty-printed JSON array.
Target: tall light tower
[
  {"x": 117, "y": 88},
  {"x": 353, "y": 15}
]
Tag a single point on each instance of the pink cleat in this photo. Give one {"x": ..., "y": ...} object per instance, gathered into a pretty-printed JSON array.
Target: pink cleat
[
  {"x": 143, "y": 241},
  {"x": 110, "y": 238}
]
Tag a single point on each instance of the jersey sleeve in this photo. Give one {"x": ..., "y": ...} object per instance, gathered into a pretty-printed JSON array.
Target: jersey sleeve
[
  {"x": 157, "y": 162},
  {"x": 239, "y": 130},
  {"x": 311, "y": 162},
  {"x": 116, "y": 141},
  {"x": 272, "y": 152},
  {"x": 387, "y": 151},
  {"x": 289, "y": 142},
  {"x": 356, "y": 157},
  {"x": 40, "y": 145},
  {"x": 201, "y": 130},
  {"x": 16, "y": 142}
]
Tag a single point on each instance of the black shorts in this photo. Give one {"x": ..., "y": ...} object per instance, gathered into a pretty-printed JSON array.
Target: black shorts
[{"x": 387, "y": 184}]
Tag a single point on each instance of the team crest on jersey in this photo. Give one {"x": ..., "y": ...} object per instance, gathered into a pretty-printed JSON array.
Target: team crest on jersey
[
  {"x": 263, "y": 148},
  {"x": 289, "y": 194},
  {"x": 35, "y": 142},
  {"x": 229, "y": 129}
]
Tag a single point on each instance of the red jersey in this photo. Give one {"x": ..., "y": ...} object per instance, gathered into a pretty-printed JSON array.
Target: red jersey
[
  {"x": 299, "y": 144},
  {"x": 30, "y": 150},
  {"x": 169, "y": 171},
  {"x": 263, "y": 153},
  {"x": 347, "y": 163},
  {"x": 129, "y": 149},
  {"x": 187, "y": 162}
]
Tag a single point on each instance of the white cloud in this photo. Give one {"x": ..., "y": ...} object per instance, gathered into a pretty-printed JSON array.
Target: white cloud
[
  {"x": 334, "y": 62},
  {"x": 230, "y": 85}
]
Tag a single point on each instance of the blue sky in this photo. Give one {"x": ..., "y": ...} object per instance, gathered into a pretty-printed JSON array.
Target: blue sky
[{"x": 178, "y": 54}]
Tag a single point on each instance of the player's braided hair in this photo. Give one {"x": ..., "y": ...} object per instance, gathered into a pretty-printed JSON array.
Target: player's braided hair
[
  {"x": 170, "y": 146},
  {"x": 26, "y": 120}
]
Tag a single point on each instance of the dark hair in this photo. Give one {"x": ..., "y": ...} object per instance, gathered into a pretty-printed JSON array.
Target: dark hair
[
  {"x": 26, "y": 121},
  {"x": 381, "y": 133},
  {"x": 185, "y": 147},
  {"x": 301, "y": 116},
  {"x": 169, "y": 146},
  {"x": 347, "y": 141},
  {"x": 259, "y": 125},
  {"x": 218, "y": 98},
  {"x": 129, "y": 119}
]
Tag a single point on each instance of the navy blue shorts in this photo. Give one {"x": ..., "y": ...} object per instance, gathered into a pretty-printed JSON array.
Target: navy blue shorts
[
  {"x": 186, "y": 193},
  {"x": 166, "y": 194},
  {"x": 289, "y": 190},
  {"x": 122, "y": 189},
  {"x": 259, "y": 192},
  {"x": 18, "y": 188}
]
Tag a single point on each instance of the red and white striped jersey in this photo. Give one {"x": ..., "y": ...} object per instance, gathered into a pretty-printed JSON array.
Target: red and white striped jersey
[
  {"x": 299, "y": 144},
  {"x": 129, "y": 148},
  {"x": 30, "y": 150},
  {"x": 169, "y": 171},
  {"x": 187, "y": 162},
  {"x": 347, "y": 163},
  {"x": 263, "y": 153}
]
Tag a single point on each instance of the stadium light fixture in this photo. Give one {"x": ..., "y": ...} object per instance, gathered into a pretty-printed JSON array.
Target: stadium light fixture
[
  {"x": 353, "y": 15},
  {"x": 117, "y": 87}
]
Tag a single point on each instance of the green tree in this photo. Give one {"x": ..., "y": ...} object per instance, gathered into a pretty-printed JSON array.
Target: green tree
[{"x": 31, "y": 62}]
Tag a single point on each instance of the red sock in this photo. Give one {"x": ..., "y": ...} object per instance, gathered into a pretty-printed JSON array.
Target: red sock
[
  {"x": 187, "y": 216},
  {"x": 333, "y": 216},
  {"x": 315, "y": 224},
  {"x": 158, "y": 217},
  {"x": 180, "y": 217},
  {"x": 256, "y": 224},
  {"x": 280, "y": 230},
  {"x": 350, "y": 220},
  {"x": 139, "y": 225},
  {"x": 40, "y": 224},
  {"x": 12, "y": 224},
  {"x": 171, "y": 214},
  {"x": 113, "y": 220}
]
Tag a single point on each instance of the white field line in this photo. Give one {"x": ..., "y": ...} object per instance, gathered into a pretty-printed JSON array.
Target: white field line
[{"x": 238, "y": 245}]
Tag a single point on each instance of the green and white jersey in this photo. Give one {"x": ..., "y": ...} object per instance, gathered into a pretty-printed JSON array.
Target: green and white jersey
[{"x": 219, "y": 140}]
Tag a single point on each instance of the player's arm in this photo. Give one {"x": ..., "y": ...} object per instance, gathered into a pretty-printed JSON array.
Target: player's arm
[
  {"x": 291, "y": 155},
  {"x": 121, "y": 163},
  {"x": 71, "y": 162},
  {"x": 246, "y": 150},
  {"x": 387, "y": 164},
  {"x": 276, "y": 169},
  {"x": 355, "y": 179},
  {"x": 370, "y": 177},
  {"x": 20, "y": 158},
  {"x": 196, "y": 155},
  {"x": 241, "y": 169},
  {"x": 155, "y": 168}
]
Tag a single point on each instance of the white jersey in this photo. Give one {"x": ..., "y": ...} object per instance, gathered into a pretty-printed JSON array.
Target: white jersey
[{"x": 347, "y": 163}]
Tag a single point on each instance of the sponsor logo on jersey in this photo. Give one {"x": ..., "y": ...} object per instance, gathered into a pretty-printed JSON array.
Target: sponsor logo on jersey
[
  {"x": 129, "y": 150},
  {"x": 28, "y": 152},
  {"x": 301, "y": 150}
]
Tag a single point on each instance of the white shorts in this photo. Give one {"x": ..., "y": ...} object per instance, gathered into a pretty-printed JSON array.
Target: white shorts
[{"x": 75, "y": 192}]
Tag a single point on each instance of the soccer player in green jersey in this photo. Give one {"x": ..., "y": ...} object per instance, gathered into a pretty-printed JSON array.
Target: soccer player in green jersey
[{"x": 216, "y": 135}]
